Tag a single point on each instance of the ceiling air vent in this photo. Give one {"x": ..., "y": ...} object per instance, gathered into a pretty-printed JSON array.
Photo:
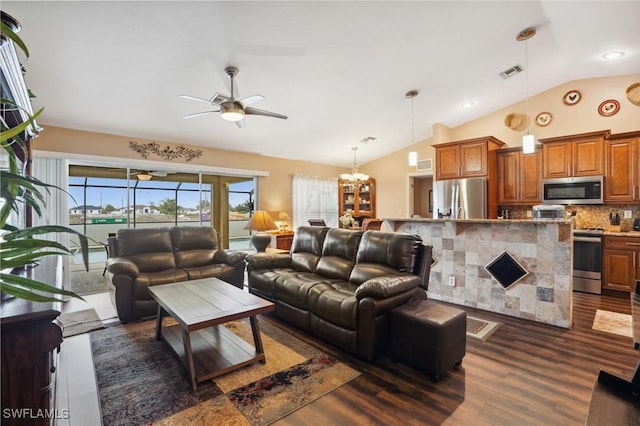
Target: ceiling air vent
[
  {"x": 516, "y": 69},
  {"x": 424, "y": 165}
]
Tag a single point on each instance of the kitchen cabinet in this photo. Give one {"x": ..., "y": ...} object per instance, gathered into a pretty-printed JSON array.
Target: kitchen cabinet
[
  {"x": 622, "y": 168},
  {"x": 620, "y": 262},
  {"x": 574, "y": 155},
  {"x": 467, "y": 158},
  {"x": 359, "y": 199},
  {"x": 519, "y": 177}
]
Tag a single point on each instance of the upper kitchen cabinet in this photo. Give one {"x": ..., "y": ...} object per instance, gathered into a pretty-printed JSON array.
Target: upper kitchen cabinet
[
  {"x": 622, "y": 168},
  {"x": 359, "y": 199},
  {"x": 519, "y": 177},
  {"x": 466, "y": 159},
  {"x": 574, "y": 155}
]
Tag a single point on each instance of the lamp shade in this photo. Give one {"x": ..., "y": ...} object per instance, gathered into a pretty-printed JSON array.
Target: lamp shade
[
  {"x": 413, "y": 158},
  {"x": 528, "y": 144},
  {"x": 261, "y": 221},
  {"x": 283, "y": 216}
]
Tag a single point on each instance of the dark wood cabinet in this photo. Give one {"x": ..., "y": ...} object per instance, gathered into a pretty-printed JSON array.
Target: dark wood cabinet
[
  {"x": 284, "y": 241},
  {"x": 620, "y": 262},
  {"x": 31, "y": 338},
  {"x": 519, "y": 175},
  {"x": 574, "y": 155},
  {"x": 466, "y": 159},
  {"x": 357, "y": 199},
  {"x": 622, "y": 168}
]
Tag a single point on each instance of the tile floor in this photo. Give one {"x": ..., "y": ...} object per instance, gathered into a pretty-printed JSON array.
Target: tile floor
[{"x": 76, "y": 388}]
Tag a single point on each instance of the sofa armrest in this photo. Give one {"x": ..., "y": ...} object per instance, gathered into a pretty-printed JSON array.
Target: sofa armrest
[
  {"x": 387, "y": 286},
  {"x": 120, "y": 265},
  {"x": 259, "y": 261},
  {"x": 229, "y": 257}
]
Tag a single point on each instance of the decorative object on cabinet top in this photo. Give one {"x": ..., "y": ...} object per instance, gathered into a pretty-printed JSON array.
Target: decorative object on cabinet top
[
  {"x": 516, "y": 122},
  {"x": 633, "y": 94},
  {"x": 544, "y": 119},
  {"x": 609, "y": 107},
  {"x": 572, "y": 97}
]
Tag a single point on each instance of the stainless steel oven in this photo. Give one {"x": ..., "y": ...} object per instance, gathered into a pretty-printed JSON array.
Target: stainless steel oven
[{"x": 587, "y": 260}]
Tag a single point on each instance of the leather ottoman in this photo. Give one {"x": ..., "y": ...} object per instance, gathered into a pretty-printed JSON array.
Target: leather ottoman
[{"x": 428, "y": 335}]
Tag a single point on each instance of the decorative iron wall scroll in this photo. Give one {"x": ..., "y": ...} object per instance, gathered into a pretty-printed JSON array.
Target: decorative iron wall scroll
[{"x": 168, "y": 153}]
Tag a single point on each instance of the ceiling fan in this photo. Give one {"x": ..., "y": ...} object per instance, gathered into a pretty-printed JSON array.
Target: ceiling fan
[
  {"x": 148, "y": 175},
  {"x": 233, "y": 109}
]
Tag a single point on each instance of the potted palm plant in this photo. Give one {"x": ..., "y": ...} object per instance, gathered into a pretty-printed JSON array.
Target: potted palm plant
[{"x": 19, "y": 191}]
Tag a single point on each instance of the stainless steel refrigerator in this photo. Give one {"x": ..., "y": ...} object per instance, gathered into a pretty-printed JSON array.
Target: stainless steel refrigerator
[{"x": 460, "y": 199}]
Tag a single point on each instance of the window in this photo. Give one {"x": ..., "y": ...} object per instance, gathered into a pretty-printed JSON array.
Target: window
[{"x": 314, "y": 198}]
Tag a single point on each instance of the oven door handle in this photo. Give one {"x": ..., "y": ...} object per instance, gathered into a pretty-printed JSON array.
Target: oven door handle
[{"x": 587, "y": 239}]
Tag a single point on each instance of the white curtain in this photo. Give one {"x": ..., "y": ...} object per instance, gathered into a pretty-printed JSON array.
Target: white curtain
[
  {"x": 314, "y": 198},
  {"x": 55, "y": 209}
]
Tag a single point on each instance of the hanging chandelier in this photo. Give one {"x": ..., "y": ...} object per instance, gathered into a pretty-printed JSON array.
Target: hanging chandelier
[{"x": 354, "y": 177}]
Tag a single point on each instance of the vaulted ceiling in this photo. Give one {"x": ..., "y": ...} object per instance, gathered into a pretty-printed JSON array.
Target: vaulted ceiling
[{"x": 339, "y": 70}]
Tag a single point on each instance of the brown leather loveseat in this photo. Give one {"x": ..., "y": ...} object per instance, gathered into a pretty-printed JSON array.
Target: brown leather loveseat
[
  {"x": 140, "y": 258},
  {"x": 340, "y": 284}
]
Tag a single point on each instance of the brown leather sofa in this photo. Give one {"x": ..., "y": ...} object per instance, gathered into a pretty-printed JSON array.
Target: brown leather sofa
[
  {"x": 140, "y": 258},
  {"x": 340, "y": 284}
]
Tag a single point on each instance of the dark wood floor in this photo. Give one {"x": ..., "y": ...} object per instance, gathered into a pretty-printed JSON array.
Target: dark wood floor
[{"x": 525, "y": 374}]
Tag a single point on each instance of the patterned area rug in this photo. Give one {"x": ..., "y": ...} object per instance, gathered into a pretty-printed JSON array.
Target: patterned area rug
[
  {"x": 480, "y": 329},
  {"x": 140, "y": 381},
  {"x": 613, "y": 322},
  {"x": 84, "y": 283},
  {"x": 80, "y": 322}
]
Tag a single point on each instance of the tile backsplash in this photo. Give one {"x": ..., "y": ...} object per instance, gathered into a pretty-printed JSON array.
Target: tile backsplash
[{"x": 589, "y": 216}]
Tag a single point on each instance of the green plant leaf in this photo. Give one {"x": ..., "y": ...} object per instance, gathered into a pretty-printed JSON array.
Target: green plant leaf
[
  {"x": 6, "y": 30},
  {"x": 20, "y": 286}
]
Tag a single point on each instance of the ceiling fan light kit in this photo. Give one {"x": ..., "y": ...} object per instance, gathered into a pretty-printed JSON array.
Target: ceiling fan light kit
[
  {"x": 144, "y": 176},
  {"x": 230, "y": 108}
]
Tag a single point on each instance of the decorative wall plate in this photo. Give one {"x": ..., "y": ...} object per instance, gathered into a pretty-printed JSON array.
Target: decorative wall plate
[
  {"x": 572, "y": 97},
  {"x": 544, "y": 119},
  {"x": 609, "y": 107}
]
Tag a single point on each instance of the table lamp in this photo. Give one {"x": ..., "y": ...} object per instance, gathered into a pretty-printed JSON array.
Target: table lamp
[
  {"x": 283, "y": 217},
  {"x": 261, "y": 222}
]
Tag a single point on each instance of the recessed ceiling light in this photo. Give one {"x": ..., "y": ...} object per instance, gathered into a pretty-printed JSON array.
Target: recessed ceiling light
[
  {"x": 467, "y": 105},
  {"x": 613, "y": 55}
]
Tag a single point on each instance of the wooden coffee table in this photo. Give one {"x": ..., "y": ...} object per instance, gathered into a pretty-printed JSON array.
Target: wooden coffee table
[{"x": 199, "y": 339}]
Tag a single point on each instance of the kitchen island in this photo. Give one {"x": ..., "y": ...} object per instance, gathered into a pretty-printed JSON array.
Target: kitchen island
[{"x": 536, "y": 271}]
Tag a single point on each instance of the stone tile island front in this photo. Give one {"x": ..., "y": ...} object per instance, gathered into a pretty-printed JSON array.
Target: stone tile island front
[{"x": 521, "y": 268}]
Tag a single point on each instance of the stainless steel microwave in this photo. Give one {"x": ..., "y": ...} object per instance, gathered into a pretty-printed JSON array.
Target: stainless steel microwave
[{"x": 573, "y": 190}]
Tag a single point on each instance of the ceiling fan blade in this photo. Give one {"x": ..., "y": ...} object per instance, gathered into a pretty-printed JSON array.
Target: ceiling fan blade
[
  {"x": 256, "y": 111},
  {"x": 216, "y": 99},
  {"x": 198, "y": 114},
  {"x": 250, "y": 100},
  {"x": 240, "y": 124}
]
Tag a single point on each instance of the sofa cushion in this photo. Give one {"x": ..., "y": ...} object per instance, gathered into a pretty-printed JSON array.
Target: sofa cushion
[
  {"x": 306, "y": 248},
  {"x": 149, "y": 249},
  {"x": 194, "y": 246},
  {"x": 385, "y": 253},
  {"x": 148, "y": 279},
  {"x": 335, "y": 303},
  {"x": 293, "y": 288},
  {"x": 262, "y": 282},
  {"x": 339, "y": 253},
  {"x": 218, "y": 270}
]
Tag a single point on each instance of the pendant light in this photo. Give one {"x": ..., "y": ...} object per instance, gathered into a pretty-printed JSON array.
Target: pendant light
[
  {"x": 528, "y": 140},
  {"x": 413, "y": 154}
]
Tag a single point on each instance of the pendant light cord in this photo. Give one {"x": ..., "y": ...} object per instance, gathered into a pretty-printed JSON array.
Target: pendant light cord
[{"x": 526, "y": 68}]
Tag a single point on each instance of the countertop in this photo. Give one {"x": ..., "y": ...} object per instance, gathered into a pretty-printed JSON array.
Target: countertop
[
  {"x": 505, "y": 221},
  {"x": 635, "y": 234}
]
